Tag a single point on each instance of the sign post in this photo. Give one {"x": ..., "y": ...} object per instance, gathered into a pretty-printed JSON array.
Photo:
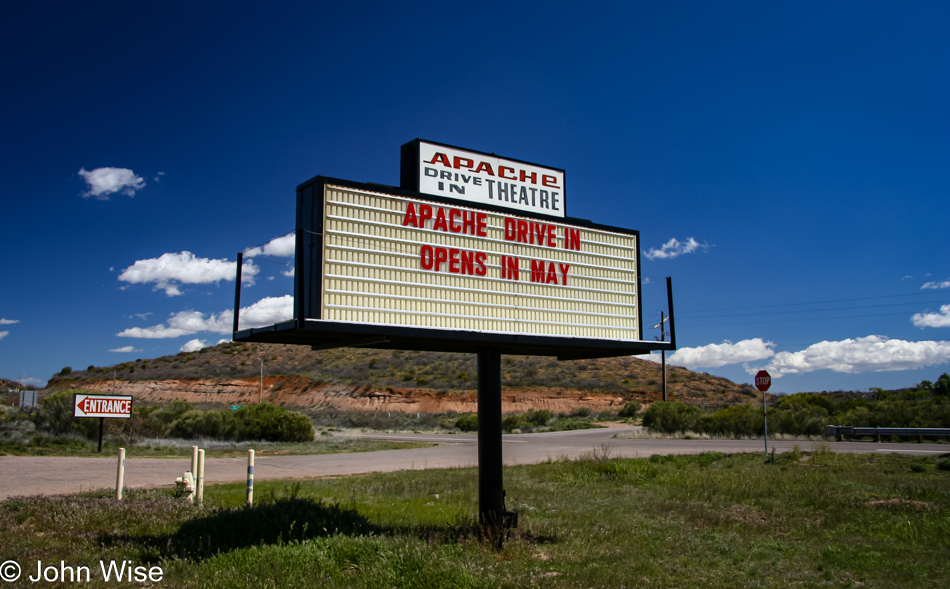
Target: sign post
[
  {"x": 102, "y": 406},
  {"x": 763, "y": 380}
]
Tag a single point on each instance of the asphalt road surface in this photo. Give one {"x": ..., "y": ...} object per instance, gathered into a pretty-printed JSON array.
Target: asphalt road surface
[{"x": 26, "y": 475}]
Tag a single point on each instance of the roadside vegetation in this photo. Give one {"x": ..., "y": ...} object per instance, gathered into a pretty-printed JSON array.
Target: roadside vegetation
[
  {"x": 170, "y": 429},
  {"x": 817, "y": 519},
  {"x": 807, "y": 414}
]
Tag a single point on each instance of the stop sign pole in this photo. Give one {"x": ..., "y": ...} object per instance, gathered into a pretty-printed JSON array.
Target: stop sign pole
[{"x": 763, "y": 380}]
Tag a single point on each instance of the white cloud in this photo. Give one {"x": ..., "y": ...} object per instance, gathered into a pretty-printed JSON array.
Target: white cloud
[
  {"x": 4, "y": 334},
  {"x": 941, "y": 319},
  {"x": 125, "y": 349},
  {"x": 874, "y": 353},
  {"x": 674, "y": 248},
  {"x": 266, "y": 311},
  {"x": 8, "y": 321},
  {"x": 282, "y": 247},
  {"x": 716, "y": 355},
  {"x": 105, "y": 181},
  {"x": 192, "y": 345},
  {"x": 171, "y": 270},
  {"x": 936, "y": 285}
]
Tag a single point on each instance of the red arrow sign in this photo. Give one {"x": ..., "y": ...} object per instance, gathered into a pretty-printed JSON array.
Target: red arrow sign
[
  {"x": 763, "y": 380},
  {"x": 102, "y": 406}
]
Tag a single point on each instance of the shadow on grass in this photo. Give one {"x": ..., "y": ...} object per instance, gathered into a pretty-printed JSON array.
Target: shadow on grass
[
  {"x": 288, "y": 519},
  {"x": 285, "y": 520}
]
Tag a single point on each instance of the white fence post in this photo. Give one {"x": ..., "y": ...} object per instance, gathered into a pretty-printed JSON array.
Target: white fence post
[
  {"x": 120, "y": 475},
  {"x": 250, "y": 477}
]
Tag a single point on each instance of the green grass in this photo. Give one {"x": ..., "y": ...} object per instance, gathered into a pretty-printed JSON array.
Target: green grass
[{"x": 808, "y": 520}]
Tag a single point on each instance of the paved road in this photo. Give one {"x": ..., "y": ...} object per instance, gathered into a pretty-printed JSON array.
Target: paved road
[{"x": 53, "y": 475}]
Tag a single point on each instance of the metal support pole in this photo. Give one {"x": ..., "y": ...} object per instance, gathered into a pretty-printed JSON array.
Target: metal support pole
[
  {"x": 765, "y": 418},
  {"x": 237, "y": 293},
  {"x": 120, "y": 475},
  {"x": 491, "y": 493},
  {"x": 102, "y": 422}
]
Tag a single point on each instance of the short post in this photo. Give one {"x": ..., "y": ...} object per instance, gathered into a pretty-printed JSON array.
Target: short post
[
  {"x": 200, "y": 478},
  {"x": 120, "y": 475},
  {"x": 194, "y": 461},
  {"x": 250, "y": 478}
]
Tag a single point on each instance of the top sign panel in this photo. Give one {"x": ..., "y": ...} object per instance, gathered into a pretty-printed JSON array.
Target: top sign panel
[{"x": 477, "y": 177}]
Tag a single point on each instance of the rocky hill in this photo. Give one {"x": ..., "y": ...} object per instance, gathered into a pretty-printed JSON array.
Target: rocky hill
[{"x": 392, "y": 380}]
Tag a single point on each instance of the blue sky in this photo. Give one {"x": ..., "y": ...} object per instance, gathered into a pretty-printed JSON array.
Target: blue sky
[{"x": 795, "y": 151}]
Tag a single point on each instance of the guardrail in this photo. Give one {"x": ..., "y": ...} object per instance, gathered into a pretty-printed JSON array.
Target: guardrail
[{"x": 840, "y": 431}]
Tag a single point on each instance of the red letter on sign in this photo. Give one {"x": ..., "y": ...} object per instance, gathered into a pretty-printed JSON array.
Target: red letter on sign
[
  {"x": 481, "y": 222},
  {"x": 425, "y": 213},
  {"x": 522, "y": 231},
  {"x": 572, "y": 239},
  {"x": 441, "y": 256},
  {"x": 425, "y": 257},
  {"x": 441, "y": 158},
  {"x": 509, "y": 268},
  {"x": 410, "y": 217},
  {"x": 537, "y": 271},
  {"x": 440, "y": 224},
  {"x": 467, "y": 264},
  {"x": 510, "y": 229},
  {"x": 480, "y": 269},
  {"x": 484, "y": 167}
]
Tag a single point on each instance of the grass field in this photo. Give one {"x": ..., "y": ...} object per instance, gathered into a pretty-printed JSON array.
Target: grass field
[{"x": 816, "y": 519}]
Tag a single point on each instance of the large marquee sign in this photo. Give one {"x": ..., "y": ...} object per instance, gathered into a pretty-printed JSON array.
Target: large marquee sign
[
  {"x": 443, "y": 170},
  {"x": 393, "y": 260},
  {"x": 449, "y": 261}
]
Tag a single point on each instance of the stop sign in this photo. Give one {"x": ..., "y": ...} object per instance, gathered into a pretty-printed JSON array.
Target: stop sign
[{"x": 763, "y": 380}]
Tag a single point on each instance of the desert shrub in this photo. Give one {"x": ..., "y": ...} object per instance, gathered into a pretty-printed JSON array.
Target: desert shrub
[
  {"x": 738, "y": 420},
  {"x": 513, "y": 422},
  {"x": 196, "y": 424},
  {"x": 169, "y": 412},
  {"x": 468, "y": 422},
  {"x": 540, "y": 417},
  {"x": 580, "y": 412},
  {"x": 56, "y": 416},
  {"x": 630, "y": 409},
  {"x": 670, "y": 417},
  {"x": 799, "y": 421},
  {"x": 272, "y": 423}
]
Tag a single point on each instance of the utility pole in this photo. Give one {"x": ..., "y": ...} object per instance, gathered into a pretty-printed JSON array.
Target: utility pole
[
  {"x": 261, "y": 399},
  {"x": 663, "y": 319}
]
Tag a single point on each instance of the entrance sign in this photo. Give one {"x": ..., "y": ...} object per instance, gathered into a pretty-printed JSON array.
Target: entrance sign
[
  {"x": 763, "y": 380},
  {"x": 484, "y": 178},
  {"x": 85, "y": 405}
]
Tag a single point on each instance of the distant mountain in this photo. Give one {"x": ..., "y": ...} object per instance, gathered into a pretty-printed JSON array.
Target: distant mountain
[{"x": 407, "y": 371}]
